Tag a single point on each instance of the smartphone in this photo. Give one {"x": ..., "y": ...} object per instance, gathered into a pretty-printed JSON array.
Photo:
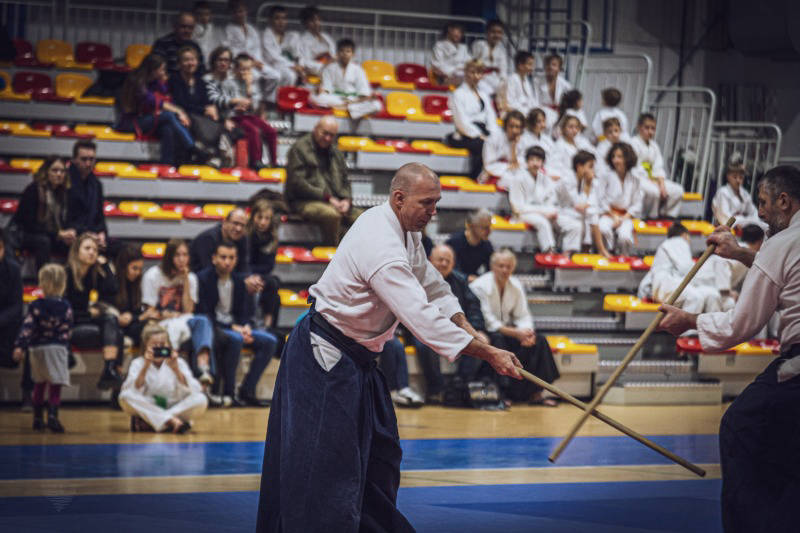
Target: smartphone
[{"x": 161, "y": 352}]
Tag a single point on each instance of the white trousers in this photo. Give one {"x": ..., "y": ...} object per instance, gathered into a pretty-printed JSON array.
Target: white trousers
[
  {"x": 653, "y": 206},
  {"x": 695, "y": 298},
  {"x": 136, "y": 403},
  {"x": 269, "y": 79},
  {"x": 619, "y": 239},
  {"x": 568, "y": 228},
  {"x": 356, "y": 109}
]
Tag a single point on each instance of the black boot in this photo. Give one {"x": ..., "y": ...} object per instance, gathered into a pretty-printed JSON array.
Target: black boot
[
  {"x": 38, "y": 418},
  {"x": 52, "y": 420},
  {"x": 110, "y": 377}
]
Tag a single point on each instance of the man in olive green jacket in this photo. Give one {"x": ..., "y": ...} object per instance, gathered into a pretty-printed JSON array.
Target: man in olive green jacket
[{"x": 317, "y": 187}]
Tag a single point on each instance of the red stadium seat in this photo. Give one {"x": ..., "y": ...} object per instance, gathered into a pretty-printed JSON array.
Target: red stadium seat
[
  {"x": 418, "y": 75},
  {"x": 435, "y": 104},
  {"x": 292, "y": 98},
  {"x": 298, "y": 254},
  {"x": 25, "y": 56},
  {"x": 166, "y": 171},
  {"x": 5, "y": 168},
  {"x": 636, "y": 263},
  {"x": 38, "y": 85},
  {"x": 243, "y": 173},
  {"x": 8, "y": 205},
  {"x": 559, "y": 261},
  {"x": 95, "y": 53},
  {"x": 60, "y": 130},
  {"x": 110, "y": 209},
  {"x": 402, "y": 146}
]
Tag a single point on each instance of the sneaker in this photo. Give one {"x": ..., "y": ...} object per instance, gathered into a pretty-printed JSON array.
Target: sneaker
[
  {"x": 206, "y": 378},
  {"x": 227, "y": 401},
  {"x": 406, "y": 397},
  {"x": 416, "y": 399},
  {"x": 214, "y": 400}
]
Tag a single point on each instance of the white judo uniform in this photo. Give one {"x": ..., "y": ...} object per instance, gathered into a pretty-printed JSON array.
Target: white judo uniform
[
  {"x": 308, "y": 50},
  {"x": 496, "y": 59},
  {"x": 278, "y": 54},
  {"x": 520, "y": 94},
  {"x": 559, "y": 160},
  {"x": 649, "y": 157},
  {"x": 533, "y": 200},
  {"x": 508, "y": 309},
  {"x": 340, "y": 87},
  {"x": 469, "y": 110},
  {"x": 161, "y": 386},
  {"x": 570, "y": 195},
  {"x": 208, "y": 37},
  {"x": 247, "y": 40},
  {"x": 621, "y": 197},
  {"x": 543, "y": 95},
  {"x": 498, "y": 157},
  {"x": 450, "y": 58},
  {"x": 728, "y": 203},
  {"x": 605, "y": 113}
]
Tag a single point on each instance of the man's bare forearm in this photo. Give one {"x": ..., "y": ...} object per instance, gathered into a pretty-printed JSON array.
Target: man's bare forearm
[{"x": 460, "y": 320}]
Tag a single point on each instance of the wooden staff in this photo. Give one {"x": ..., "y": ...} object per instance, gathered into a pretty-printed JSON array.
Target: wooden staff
[
  {"x": 613, "y": 423},
  {"x": 634, "y": 350}
]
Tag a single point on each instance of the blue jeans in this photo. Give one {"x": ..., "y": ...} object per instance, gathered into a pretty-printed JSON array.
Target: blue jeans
[
  {"x": 202, "y": 337},
  {"x": 394, "y": 365},
  {"x": 263, "y": 347},
  {"x": 169, "y": 130}
]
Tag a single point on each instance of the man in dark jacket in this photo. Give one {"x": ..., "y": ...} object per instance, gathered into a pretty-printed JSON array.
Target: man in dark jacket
[
  {"x": 168, "y": 45},
  {"x": 443, "y": 259},
  {"x": 224, "y": 299},
  {"x": 10, "y": 304},
  {"x": 317, "y": 187},
  {"x": 85, "y": 195}
]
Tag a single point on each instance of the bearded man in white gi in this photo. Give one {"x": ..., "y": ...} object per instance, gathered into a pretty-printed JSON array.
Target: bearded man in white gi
[
  {"x": 332, "y": 455},
  {"x": 760, "y": 433}
]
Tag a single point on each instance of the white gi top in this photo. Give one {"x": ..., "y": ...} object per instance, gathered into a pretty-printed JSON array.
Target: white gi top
[
  {"x": 520, "y": 94},
  {"x": 529, "y": 194},
  {"x": 601, "y": 152},
  {"x": 510, "y": 310},
  {"x": 244, "y": 41},
  {"x": 560, "y": 158},
  {"x": 772, "y": 284},
  {"x": 543, "y": 140},
  {"x": 207, "y": 37},
  {"x": 649, "y": 153},
  {"x": 570, "y": 193},
  {"x": 623, "y": 195},
  {"x": 497, "y": 156},
  {"x": 605, "y": 113},
  {"x": 450, "y": 58},
  {"x": 380, "y": 276},
  {"x": 277, "y": 54},
  {"x": 673, "y": 260},
  {"x": 162, "y": 381},
  {"x": 727, "y": 203},
  {"x": 496, "y": 57},
  {"x": 543, "y": 92},
  {"x": 467, "y": 110},
  {"x": 308, "y": 48},
  {"x": 350, "y": 81}
]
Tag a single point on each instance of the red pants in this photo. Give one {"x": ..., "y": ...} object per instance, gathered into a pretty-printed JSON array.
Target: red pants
[{"x": 257, "y": 131}]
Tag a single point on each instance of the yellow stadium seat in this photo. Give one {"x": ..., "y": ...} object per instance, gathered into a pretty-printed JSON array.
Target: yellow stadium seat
[
  {"x": 438, "y": 148},
  {"x": 136, "y": 207},
  {"x": 598, "y": 262},
  {"x": 104, "y": 133},
  {"x": 699, "y": 226},
  {"x": 28, "y": 164},
  {"x": 340, "y": 113},
  {"x": 362, "y": 144},
  {"x": 648, "y": 260},
  {"x": 29, "y": 296},
  {"x": 135, "y": 53},
  {"x": 747, "y": 348},
  {"x": 153, "y": 250},
  {"x": 500, "y": 223},
  {"x": 218, "y": 210},
  {"x": 73, "y": 86},
  {"x": 465, "y": 184},
  {"x": 156, "y": 213},
  {"x": 283, "y": 258},
  {"x": 692, "y": 197},
  {"x": 623, "y": 303},
  {"x": 292, "y": 299},
  {"x": 313, "y": 80},
  {"x": 60, "y": 53},
  {"x": 8, "y": 92},
  {"x": 123, "y": 169},
  {"x": 383, "y": 73},
  {"x": 640, "y": 226},
  {"x": 206, "y": 173},
  {"x": 22, "y": 129},
  {"x": 275, "y": 174},
  {"x": 323, "y": 252},
  {"x": 561, "y": 344},
  {"x": 408, "y": 105},
  {"x": 410, "y": 350}
]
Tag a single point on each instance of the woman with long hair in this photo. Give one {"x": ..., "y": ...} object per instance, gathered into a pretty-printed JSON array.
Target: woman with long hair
[
  {"x": 147, "y": 109},
  {"x": 132, "y": 315},
  {"x": 42, "y": 212},
  {"x": 623, "y": 196},
  {"x": 262, "y": 230},
  {"x": 91, "y": 290}
]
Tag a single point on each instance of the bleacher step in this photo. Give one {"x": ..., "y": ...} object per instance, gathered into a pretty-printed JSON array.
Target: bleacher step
[
  {"x": 659, "y": 393},
  {"x": 577, "y": 323},
  {"x": 654, "y": 370}
]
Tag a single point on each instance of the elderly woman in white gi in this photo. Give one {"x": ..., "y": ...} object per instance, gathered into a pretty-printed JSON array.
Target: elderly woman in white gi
[
  {"x": 621, "y": 199},
  {"x": 332, "y": 453},
  {"x": 160, "y": 392},
  {"x": 510, "y": 326},
  {"x": 492, "y": 53},
  {"x": 504, "y": 151},
  {"x": 759, "y": 434},
  {"x": 733, "y": 200}
]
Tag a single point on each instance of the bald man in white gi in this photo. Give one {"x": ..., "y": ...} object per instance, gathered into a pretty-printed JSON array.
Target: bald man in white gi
[
  {"x": 760, "y": 433},
  {"x": 332, "y": 455}
]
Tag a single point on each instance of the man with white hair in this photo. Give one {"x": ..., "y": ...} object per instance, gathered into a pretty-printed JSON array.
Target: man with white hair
[{"x": 332, "y": 454}]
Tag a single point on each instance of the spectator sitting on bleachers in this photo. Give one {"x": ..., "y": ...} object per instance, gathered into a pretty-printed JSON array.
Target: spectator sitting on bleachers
[
  {"x": 572, "y": 104},
  {"x": 85, "y": 195},
  {"x": 504, "y": 151},
  {"x": 205, "y": 34},
  {"x": 132, "y": 315},
  {"x": 314, "y": 48},
  {"x": 171, "y": 290},
  {"x": 168, "y": 45},
  {"x": 226, "y": 302},
  {"x": 535, "y": 133},
  {"x": 443, "y": 259},
  {"x": 45, "y": 335},
  {"x": 221, "y": 94},
  {"x": 189, "y": 92},
  {"x": 247, "y": 113},
  {"x": 612, "y": 134},
  {"x": 10, "y": 303},
  {"x": 672, "y": 262},
  {"x": 733, "y": 199},
  {"x": 660, "y": 196},
  {"x": 278, "y": 47},
  {"x": 611, "y": 98},
  {"x": 344, "y": 85},
  {"x": 579, "y": 198},
  {"x": 243, "y": 38},
  {"x": 533, "y": 199},
  {"x": 392, "y": 362},
  {"x": 41, "y": 216},
  {"x": 262, "y": 231},
  {"x": 160, "y": 392},
  {"x": 91, "y": 290},
  {"x": 552, "y": 86},
  {"x": 473, "y": 116},
  {"x": 450, "y": 56},
  {"x": 492, "y": 53},
  {"x": 147, "y": 110},
  {"x": 317, "y": 187},
  {"x": 472, "y": 246},
  {"x": 519, "y": 92},
  {"x": 567, "y": 145},
  {"x": 510, "y": 326},
  {"x": 621, "y": 200}
]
